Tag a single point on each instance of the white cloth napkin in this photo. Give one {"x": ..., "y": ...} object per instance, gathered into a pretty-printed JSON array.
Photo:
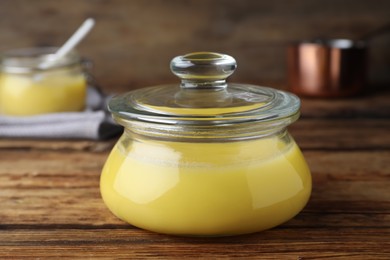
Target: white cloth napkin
[{"x": 94, "y": 123}]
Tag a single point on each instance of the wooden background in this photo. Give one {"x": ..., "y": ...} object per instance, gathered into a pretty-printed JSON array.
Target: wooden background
[{"x": 134, "y": 41}]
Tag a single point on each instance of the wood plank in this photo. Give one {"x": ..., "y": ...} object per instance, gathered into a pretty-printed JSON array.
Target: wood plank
[
  {"x": 56, "y": 145},
  {"x": 85, "y": 207},
  {"x": 133, "y": 243},
  {"x": 37, "y": 164},
  {"x": 339, "y": 134},
  {"x": 308, "y": 132},
  {"x": 28, "y": 170},
  {"x": 58, "y": 188},
  {"x": 376, "y": 105}
]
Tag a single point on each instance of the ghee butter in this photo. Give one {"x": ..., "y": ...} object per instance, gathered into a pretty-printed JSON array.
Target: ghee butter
[
  {"x": 22, "y": 96},
  {"x": 184, "y": 189}
]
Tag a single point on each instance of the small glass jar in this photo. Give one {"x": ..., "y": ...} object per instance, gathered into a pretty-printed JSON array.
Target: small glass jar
[
  {"x": 28, "y": 89},
  {"x": 205, "y": 158}
]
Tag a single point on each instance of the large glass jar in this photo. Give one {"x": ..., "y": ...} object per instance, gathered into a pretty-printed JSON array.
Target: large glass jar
[
  {"x": 27, "y": 88},
  {"x": 205, "y": 158}
]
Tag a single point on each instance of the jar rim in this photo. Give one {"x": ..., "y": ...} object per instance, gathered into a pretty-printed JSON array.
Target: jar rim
[{"x": 27, "y": 60}]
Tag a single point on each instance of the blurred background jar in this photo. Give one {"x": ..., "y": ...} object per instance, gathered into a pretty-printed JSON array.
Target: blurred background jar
[{"x": 26, "y": 88}]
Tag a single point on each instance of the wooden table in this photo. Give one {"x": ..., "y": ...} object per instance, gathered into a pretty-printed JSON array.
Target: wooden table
[{"x": 50, "y": 204}]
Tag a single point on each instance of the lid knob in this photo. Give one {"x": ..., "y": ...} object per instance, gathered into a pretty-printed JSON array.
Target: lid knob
[{"x": 206, "y": 70}]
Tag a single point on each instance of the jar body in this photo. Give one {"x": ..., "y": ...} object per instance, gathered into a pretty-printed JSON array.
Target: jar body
[
  {"x": 25, "y": 90},
  {"x": 214, "y": 188}
]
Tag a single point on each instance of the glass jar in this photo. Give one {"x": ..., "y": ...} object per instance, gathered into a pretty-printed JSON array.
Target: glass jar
[
  {"x": 28, "y": 89},
  {"x": 205, "y": 158}
]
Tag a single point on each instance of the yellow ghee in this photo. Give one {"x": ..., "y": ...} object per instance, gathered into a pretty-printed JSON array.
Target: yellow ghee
[
  {"x": 23, "y": 95},
  {"x": 205, "y": 189}
]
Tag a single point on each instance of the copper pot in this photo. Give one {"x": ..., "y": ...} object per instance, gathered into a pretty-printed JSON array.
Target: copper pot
[{"x": 331, "y": 68}]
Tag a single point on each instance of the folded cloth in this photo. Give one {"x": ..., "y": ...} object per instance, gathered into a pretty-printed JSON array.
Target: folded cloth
[{"x": 94, "y": 123}]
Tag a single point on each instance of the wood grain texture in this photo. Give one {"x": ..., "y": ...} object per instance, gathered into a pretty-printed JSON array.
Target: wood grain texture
[
  {"x": 134, "y": 41},
  {"x": 372, "y": 106},
  {"x": 280, "y": 243},
  {"x": 341, "y": 133},
  {"x": 50, "y": 192}
]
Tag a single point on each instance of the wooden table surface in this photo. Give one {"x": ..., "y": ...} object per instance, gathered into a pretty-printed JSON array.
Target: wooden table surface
[{"x": 50, "y": 205}]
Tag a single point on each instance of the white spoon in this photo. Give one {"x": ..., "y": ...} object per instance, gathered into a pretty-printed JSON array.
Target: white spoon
[{"x": 69, "y": 45}]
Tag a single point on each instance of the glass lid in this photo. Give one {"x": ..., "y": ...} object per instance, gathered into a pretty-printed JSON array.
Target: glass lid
[{"x": 204, "y": 97}]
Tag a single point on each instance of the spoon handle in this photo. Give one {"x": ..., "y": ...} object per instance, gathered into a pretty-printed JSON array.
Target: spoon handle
[{"x": 75, "y": 39}]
